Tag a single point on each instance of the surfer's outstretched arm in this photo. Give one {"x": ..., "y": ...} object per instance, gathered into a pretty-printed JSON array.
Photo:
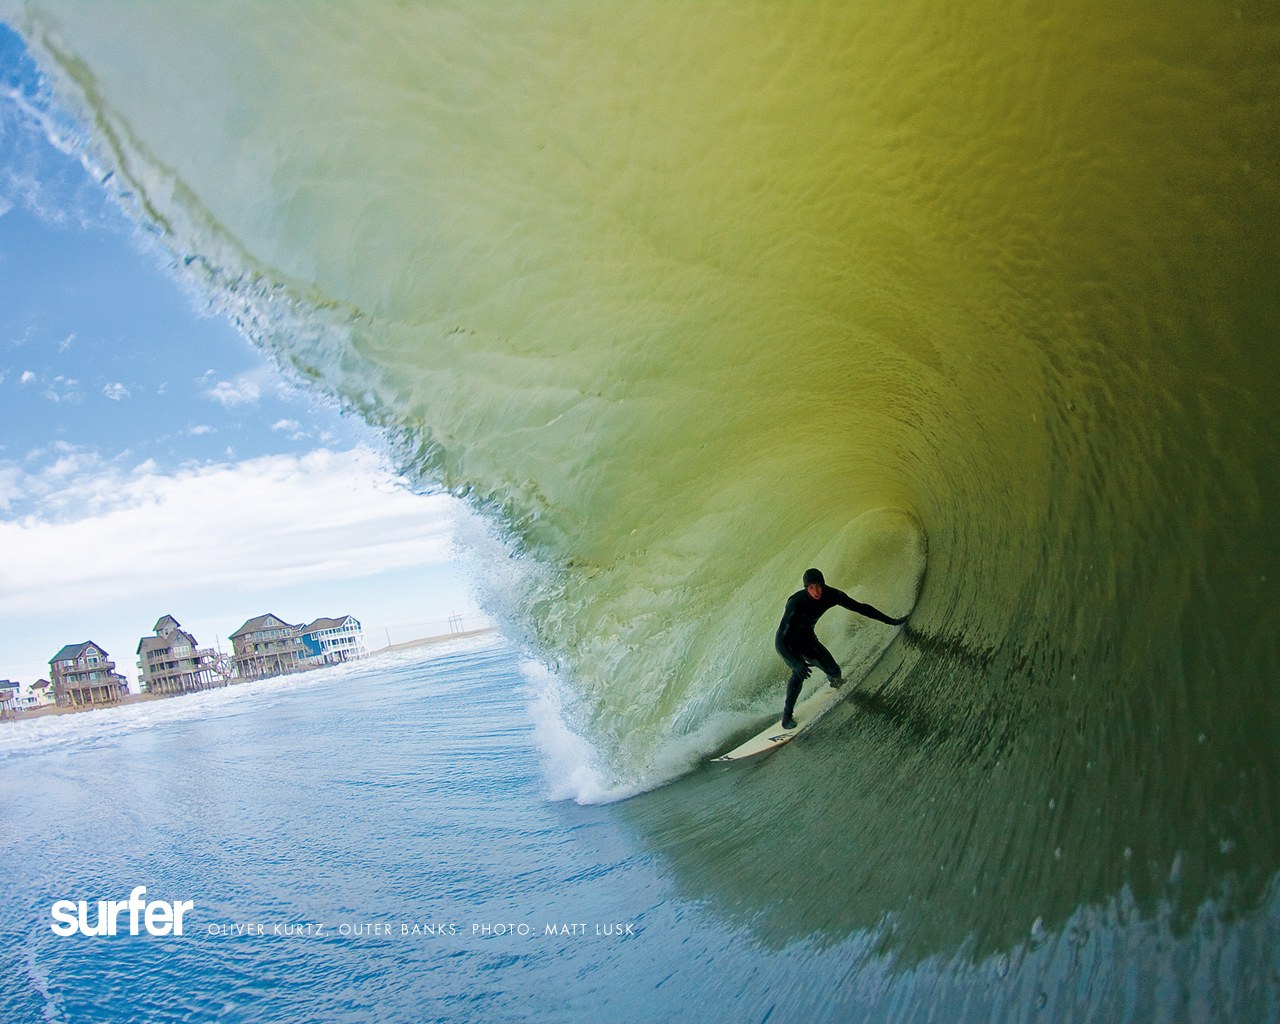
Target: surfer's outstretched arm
[{"x": 845, "y": 601}]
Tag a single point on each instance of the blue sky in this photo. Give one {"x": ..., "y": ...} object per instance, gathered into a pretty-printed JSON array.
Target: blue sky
[{"x": 152, "y": 461}]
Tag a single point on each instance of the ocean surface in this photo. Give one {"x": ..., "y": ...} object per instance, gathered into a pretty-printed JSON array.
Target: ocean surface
[
  {"x": 687, "y": 299},
  {"x": 386, "y": 826}
]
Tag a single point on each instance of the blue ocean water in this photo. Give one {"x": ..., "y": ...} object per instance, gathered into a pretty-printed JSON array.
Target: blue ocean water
[
  {"x": 375, "y": 842},
  {"x": 367, "y": 800}
]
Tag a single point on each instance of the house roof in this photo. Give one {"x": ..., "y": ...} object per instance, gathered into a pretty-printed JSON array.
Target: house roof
[
  {"x": 261, "y": 623},
  {"x": 164, "y": 643},
  {"x": 41, "y": 685},
  {"x": 162, "y": 620},
  {"x": 72, "y": 651},
  {"x": 323, "y": 623}
]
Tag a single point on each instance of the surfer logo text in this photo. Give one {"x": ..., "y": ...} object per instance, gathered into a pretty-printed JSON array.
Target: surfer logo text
[{"x": 157, "y": 916}]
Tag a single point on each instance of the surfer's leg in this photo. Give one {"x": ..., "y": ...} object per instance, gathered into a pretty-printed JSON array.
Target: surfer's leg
[
  {"x": 794, "y": 686},
  {"x": 827, "y": 663},
  {"x": 799, "y": 673}
]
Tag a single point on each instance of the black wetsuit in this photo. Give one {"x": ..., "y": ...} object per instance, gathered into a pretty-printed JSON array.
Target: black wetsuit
[{"x": 800, "y": 647}]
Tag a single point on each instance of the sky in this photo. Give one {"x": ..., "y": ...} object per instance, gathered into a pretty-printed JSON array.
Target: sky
[{"x": 153, "y": 462}]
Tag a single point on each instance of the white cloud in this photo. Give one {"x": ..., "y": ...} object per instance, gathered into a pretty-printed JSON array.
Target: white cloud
[
  {"x": 60, "y": 447},
  {"x": 115, "y": 391},
  {"x": 296, "y": 433},
  {"x": 62, "y": 389},
  {"x": 202, "y": 428},
  {"x": 27, "y": 377},
  {"x": 52, "y": 488},
  {"x": 103, "y": 536},
  {"x": 244, "y": 390},
  {"x": 10, "y": 485},
  {"x": 66, "y": 342}
]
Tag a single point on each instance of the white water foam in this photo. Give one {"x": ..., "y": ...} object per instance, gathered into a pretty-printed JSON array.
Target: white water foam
[{"x": 575, "y": 770}]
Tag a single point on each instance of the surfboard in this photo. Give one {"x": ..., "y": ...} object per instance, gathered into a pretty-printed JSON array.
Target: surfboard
[{"x": 807, "y": 710}]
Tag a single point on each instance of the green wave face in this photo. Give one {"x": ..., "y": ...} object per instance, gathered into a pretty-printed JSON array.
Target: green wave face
[{"x": 680, "y": 292}]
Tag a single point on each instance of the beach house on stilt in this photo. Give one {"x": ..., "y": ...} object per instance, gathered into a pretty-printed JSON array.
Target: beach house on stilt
[
  {"x": 171, "y": 662},
  {"x": 84, "y": 675}
]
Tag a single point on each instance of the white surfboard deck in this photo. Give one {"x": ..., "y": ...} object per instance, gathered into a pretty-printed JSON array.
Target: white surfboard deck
[{"x": 807, "y": 711}]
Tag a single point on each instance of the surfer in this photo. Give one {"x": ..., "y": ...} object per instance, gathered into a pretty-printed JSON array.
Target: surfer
[{"x": 798, "y": 644}]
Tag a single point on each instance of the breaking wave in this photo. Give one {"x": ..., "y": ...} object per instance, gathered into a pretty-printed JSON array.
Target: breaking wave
[{"x": 681, "y": 297}]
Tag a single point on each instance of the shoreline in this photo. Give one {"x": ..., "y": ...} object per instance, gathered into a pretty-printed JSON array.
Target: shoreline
[
  {"x": 428, "y": 640},
  {"x": 142, "y": 698},
  {"x": 53, "y": 709}
]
